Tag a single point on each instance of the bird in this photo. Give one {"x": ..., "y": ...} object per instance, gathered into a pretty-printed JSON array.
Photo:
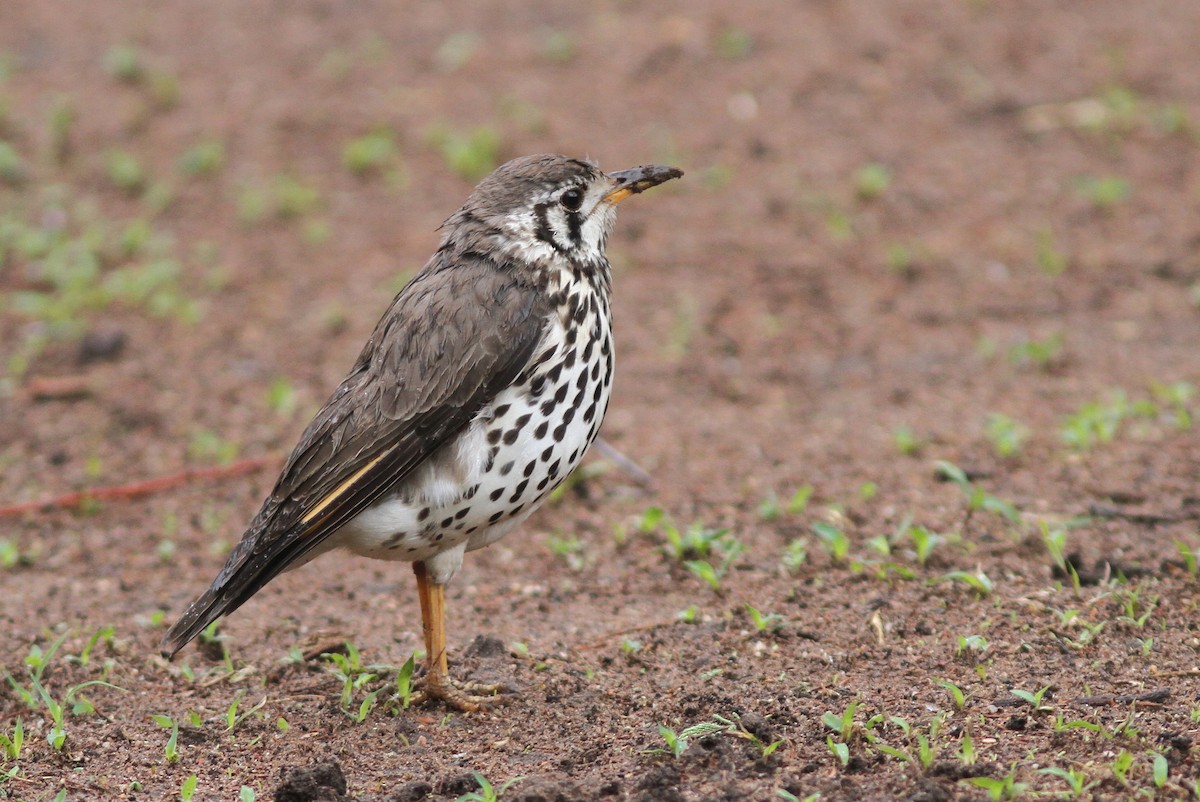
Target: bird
[{"x": 476, "y": 395}]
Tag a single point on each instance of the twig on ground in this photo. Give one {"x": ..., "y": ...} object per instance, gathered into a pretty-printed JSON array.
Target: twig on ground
[{"x": 138, "y": 489}]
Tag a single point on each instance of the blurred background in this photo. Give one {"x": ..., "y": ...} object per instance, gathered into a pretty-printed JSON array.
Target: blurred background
[{"x": 963, "y": 230}]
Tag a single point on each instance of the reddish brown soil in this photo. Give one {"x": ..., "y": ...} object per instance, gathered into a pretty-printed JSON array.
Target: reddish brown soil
[{"x": 771, "y": 334}]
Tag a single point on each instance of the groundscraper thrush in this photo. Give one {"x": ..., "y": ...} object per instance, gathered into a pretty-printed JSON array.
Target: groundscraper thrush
[{"x": 478, "y": 392}]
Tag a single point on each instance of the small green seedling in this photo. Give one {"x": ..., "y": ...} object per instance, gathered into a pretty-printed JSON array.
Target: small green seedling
[
  {"x": 124, "y": 63},
  {"x": 486, "y": 792},
  {"x": 924, "y": 542},
  {"x": 956, "y": 693},
  {"x": 677, "y": 743},
  {"x": 1033, "y": 699},
  {"x": 839, "y": 750},
  {"x": 1188, "y": 555},
  {"x": 1050, "y": 260},
  {"x": 970, "y": 645},
  {"x": 966, "y": 752},
  {"x": 10, "y": 745},
  {"x": 1002, "y": 788},
  {"x": 171, "y": 749},
  {"x": 1175, "y": 398},
  {"x": 734, "y": 44},
  {"x": 1075, "y": 778},
  {"x": 764, "y": 623},
  {"x": 370, "y": 153},
  {"x": 205, "y": 158},
  {"x": 471, "y": 154},
  {"x": 842, "y": 725},
  {"x": 977, "y": 497},
  {"x": 977, "y": 581},
  {"x": 907, "y": 443},
  {"x": 1104, "y": 192},
  {"x": 1038, "y": 353},
  {"x": 833, "y": 539},
  {"x": 795, "y": 554},
  {"x": 1121, "y": 765},
  {"x": 1056, "y": 544},
  {"x": 1006, "y": 435},
  {"x": 871, "y": 180},
  {"x": 404, "y": 687},
  {"x": 1160, "y": 769}
]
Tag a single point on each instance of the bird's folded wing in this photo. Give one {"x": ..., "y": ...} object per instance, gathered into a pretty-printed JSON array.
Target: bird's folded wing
[{"x": 451, "y": 341}]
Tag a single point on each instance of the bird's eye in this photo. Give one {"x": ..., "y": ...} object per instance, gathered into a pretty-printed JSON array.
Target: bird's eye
[{"x": 572, "y": 199}]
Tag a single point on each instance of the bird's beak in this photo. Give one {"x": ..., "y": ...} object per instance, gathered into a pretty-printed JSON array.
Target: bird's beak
[{"x": 638, "y": 179}]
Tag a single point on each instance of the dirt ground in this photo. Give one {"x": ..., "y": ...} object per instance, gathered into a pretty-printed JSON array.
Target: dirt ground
[{"x": 909, "y": 355}]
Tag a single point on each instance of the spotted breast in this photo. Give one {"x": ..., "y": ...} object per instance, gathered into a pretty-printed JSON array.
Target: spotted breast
[{"x": 515, "y": 451}]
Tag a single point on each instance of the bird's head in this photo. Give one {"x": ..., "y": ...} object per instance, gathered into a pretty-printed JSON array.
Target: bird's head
[{"x": 539, "y": 208}]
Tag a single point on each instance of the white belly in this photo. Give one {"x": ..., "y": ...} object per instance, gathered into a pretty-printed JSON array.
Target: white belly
[{"x": 512, "y": 456}]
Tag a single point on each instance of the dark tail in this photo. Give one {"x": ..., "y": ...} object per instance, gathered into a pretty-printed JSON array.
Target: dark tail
[
  {"x": 200, "y": 613},
  {"x": 244, "y": 574}
]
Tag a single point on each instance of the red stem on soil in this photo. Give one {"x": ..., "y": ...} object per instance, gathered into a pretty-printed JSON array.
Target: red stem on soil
[{"x": 137, "y": 489}]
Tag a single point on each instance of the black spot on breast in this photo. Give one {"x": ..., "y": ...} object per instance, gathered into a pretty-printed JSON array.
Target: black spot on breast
[
  {"x": 568, "y": 415},
  {"x": 520, "y": 488},
  {"x": 496, "y": 516},
  {"x": 548, "y": 406},
  {"x": 471, "y": 491},
  {"x": 446, "y": 522},
  {"x": 572, "y": 335},
  {"x": 538, "y": 384},
  {"x": 472, "y": 530},
  {"x": 458, "y": 516},
  {"x": 423, "y": 514},
  {"x": 574, "y": 456},
  {"x": 542, "y": 484},
  {"x": 529, "y": 468},
  {"x": 438, "y": 537},
  {"x": 582, "y": 310},
  {"x": 505, "y": 468},
  {"x": 596, "y": 393},
  {"x": 569, "y": 360},
  {"x": 560, "y": 394},
  {"x": 491, "y": 459},
  {"x": 494, "y": 436},
  {"x": 549, "y": 452},
  {"x": 554, "y": 468},
  {"x": 554, "y": 372},
  {"x": 540, "y": 431},
  {"x": 560, "y": 432},
  {"x": 496, "y": 494},
  {"x": 501, "y": 410},
  {"x": 581, "y": 379},
  {"x": 510, "y": 436},
  {"x": 520, "y": 422},
  {"x": 517, "y": 509},
  {"x": 595, "y": 370},
  {"x": 587, "y": 350},
  {"x": 591, "y": 413}
]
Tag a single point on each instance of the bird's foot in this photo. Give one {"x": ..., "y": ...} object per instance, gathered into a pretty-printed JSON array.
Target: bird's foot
[{"x": 469, "y": 697}]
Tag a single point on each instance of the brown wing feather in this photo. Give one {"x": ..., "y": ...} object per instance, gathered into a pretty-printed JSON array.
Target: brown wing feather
[{"x": 434, "y": 360}]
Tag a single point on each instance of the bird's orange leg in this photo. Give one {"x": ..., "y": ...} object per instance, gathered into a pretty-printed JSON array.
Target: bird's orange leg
[{"x": 437, "y": 684}]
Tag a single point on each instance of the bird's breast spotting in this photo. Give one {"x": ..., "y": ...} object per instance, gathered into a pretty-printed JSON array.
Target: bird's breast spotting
[{"x": 518, "y": 448}]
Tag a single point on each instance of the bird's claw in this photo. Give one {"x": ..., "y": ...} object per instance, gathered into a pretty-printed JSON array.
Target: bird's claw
[{"x": 469, "y": 697}]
